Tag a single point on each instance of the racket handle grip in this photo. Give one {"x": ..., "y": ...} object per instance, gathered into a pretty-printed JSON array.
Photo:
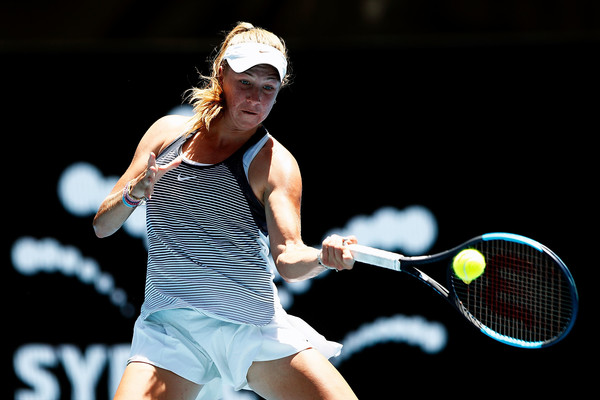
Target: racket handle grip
[{"x": 373, "y": 256}]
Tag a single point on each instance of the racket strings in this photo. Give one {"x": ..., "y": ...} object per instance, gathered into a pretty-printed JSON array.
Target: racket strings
[{"x": 522, "y": 294}]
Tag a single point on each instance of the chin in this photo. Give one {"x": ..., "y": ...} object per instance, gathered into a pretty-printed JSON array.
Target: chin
[{"x": 250, "y": 121}]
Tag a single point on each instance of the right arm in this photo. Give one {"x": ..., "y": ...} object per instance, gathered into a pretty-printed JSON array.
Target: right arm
[{"x": 143, "y": 172}]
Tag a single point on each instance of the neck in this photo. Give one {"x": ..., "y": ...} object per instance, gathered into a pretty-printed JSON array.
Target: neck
[
  {"x": 223, "y": 133},
  {"x": 216, "y": 144}
]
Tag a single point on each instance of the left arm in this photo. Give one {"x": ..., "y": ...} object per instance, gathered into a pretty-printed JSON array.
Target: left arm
[{"x": 282, "y": 194}]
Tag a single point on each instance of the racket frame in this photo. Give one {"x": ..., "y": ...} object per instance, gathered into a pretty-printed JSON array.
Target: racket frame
[{"x": 406, "y": 264}]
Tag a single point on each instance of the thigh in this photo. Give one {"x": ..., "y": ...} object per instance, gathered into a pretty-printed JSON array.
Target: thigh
[
  {"x": 145, "y": 381},
  {"x": 305, "y": 375}
]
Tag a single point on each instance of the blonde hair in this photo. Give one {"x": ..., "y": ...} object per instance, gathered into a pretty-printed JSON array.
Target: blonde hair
[{"x": 208, "y": 101}]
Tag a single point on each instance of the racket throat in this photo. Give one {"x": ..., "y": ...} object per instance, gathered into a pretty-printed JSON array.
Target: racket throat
[{"x": 423, "y": 277}]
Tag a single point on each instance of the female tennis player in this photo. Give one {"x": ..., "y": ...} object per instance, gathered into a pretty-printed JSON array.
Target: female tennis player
[{"x": 223, "y": 206}]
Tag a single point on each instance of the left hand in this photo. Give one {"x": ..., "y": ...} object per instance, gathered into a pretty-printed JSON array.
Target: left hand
[
  {"x": 335, "y": 252},
  {"x": 145, "y": 182}
]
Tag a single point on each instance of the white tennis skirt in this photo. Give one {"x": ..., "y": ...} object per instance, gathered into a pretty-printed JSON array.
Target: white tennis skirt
[{"x": 212, "y": 352}]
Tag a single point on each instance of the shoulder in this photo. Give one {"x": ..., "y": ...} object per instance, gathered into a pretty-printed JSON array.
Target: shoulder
[
  {"x": 279, "y": 160},
  {"x": 275, "y": 168},
  {"x": 163, "y": 132},
  {"x": 173, "y": 121}
]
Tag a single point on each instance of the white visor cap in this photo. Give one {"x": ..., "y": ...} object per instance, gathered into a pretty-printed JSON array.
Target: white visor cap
[{"x": 244, "y": 56}]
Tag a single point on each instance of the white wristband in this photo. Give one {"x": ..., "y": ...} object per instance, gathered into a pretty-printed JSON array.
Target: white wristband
[{"x": 323, "y": 265}]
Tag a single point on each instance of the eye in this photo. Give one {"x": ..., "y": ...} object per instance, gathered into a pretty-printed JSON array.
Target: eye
[
  {"x": 268, "y": 87},
  {"x": 245, "y": 82}
]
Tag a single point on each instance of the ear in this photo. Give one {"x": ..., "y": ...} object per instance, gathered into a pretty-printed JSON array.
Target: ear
[{"x": 221, "y": 74}]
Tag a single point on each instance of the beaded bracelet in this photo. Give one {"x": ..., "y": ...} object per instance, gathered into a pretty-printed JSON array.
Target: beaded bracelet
[{"x": 128, "y": 199}]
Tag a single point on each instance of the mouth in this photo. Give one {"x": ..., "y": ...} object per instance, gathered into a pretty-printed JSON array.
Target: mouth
[{"x": 249, "y": 112}]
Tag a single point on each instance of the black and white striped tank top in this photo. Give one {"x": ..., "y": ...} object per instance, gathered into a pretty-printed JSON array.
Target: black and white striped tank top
[{"x": 208, "y": 243}]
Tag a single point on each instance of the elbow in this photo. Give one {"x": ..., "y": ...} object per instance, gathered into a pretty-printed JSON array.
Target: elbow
[
  {"x": 100, "y": 229},
  {"x": 296, "y": 263},
  {"x": 283, "y": 273},
  {"x": 288, "y": 273},
  {"x": 100, "y": 233},
  {"x": 289, "y": 279}
]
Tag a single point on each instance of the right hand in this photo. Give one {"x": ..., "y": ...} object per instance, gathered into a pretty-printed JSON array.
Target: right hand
[
  {"x": 335, "y": 253},
  {"x": 144, "y": 185}
]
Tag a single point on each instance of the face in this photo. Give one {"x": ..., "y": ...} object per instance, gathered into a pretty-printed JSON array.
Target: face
[{"x": 249, "y": 95}]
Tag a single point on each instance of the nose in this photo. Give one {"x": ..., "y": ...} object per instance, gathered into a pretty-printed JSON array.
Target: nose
[{"x": 253, "y": 95}]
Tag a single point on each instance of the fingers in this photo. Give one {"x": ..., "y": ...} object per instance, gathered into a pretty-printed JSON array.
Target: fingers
[
  {"x": 160, "y": 170},
  {"x": 150, "y": 179},
  {"x": 163, "y": 169},
  {"x": 151, "y": 160},
  {"x": 336, "y": 254},
  {"x": 172, "y": 165},
  {"x": 154, "y": 172}
]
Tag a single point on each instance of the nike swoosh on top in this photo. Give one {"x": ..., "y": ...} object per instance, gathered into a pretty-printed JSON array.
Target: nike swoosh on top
[{"x": 184, "y": 178}]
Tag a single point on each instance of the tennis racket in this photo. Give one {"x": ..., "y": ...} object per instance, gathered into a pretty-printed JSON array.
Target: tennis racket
[{"x": 526, "y": 296}]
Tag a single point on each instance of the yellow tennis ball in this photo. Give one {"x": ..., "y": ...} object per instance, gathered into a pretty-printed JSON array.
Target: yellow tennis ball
[{"x": 468, "y": 265}]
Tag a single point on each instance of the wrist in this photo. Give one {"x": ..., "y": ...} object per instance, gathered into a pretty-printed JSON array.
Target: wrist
[
  {"x": 129, "y": 199},
  {"x": 320, "y": 261},
  {"x": 135, "y": 191}
]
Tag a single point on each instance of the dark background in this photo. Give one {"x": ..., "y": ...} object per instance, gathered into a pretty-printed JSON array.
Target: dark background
[{"x": 484, "y": 112}]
